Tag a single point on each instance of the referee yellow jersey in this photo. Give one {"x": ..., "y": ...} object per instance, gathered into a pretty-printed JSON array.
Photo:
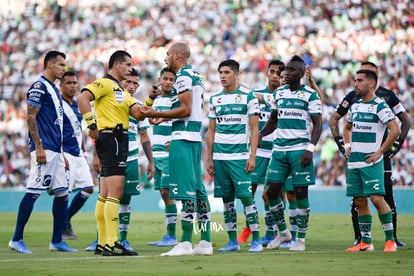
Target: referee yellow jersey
[{"x": 112, "y": 103}]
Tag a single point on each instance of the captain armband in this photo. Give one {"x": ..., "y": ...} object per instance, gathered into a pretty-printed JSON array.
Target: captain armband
[{"x": 149, "y": 101}]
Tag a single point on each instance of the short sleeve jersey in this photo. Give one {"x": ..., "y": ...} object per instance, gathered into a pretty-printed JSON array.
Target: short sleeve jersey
[
  {"x": 294, "y": 110},
  {"x": 231, "y": 111},
  {"x": 188, "y": 128},
  {"x": 161, "y": 133},
  {"x": 266, "y": 145},
  {"x": 46, "y": 96},
  {"x": 112, "y": 103},
  {"x": 72, "y": 128},
  {"x": 369, "y": 120},
  {"x": 134, "y": 127}
]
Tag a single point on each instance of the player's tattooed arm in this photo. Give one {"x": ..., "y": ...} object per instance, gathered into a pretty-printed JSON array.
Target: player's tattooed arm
[{"x": 32, "y": 112}]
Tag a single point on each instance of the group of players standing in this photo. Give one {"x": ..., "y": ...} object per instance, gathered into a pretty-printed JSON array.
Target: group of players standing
[{"x": 265, "y": 136}]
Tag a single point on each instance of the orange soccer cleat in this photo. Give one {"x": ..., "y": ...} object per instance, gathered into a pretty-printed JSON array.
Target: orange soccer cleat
[
  {"x": 244, "y": 235},
  {"x": 361, "y": 247}
]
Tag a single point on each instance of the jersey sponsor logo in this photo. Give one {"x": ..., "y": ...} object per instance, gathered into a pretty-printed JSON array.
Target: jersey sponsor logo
[
  {"x": 47, "y": 180},
  {"x": 285, "y": 113},
  {"x": 357, "y": 126},
  {"x": 180, "y": 84},
  {"x": 118, "y": 95},
  {"x": 228, "y": 119}
]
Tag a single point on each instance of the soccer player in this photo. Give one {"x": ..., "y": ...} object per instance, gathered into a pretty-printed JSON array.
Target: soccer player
[
  {"x": 131, "y": 84},
  {"x": 113, "y": 105},
  {"x": 233, "y": 118},
  {"x": 264, "y": 151},
  {"x": 366, "y": 123},
  {"x": 296, "y": 108},
  {"x": 394, "y": 103},
  {"x": 160, "y": 138},
  {"x": 79, "y": 175},
  {"x": 185, "y": 151},
  {"x": 47, "y": 166}
]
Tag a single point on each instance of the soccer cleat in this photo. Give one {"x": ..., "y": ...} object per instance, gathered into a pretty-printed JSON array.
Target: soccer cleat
[
  {"x": 92, "y": 246},
  {"x": 399, "y": 243},
  {"x": 390, "y": 246},
  {"x": 287, "y": 244},
  {"x": 181, "y": 249},
  {"x": 127, "y": 246},
  {"x": 61, "y": 246},
  {"x": 230, "y": 246},
  {"x": 255, "y": 247},
  {"x": 266, "y": 240},
  {"x": 282, "y": 237},
  {"x": 168, "y": 240},
  {"x": 19, "y": 246},
  {"x": 203, "y": 248},
  {"x": 244, "y": 235},
  {"x": 298, "y": 245},
  {"x": 99, "y": 249},
  {"x": 361, "y": 247},
  {"x": 117, "y": 250}
]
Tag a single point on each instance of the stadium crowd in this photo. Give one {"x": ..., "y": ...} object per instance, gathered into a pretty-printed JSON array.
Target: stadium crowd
[{"x": 332, "y": 36}]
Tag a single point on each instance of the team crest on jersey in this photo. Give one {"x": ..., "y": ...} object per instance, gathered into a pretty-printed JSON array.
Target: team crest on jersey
[
  {"x": 345, "y": 104},
  {"x": 301, "y": 95},
  {"x": 238, "y": 98},
  {"x": 371, "y": 108},
  {"x": 37, "y": 84}
]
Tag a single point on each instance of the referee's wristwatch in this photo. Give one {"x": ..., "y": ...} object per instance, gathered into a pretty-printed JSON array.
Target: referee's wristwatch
[{"x": 92, "y": 126}]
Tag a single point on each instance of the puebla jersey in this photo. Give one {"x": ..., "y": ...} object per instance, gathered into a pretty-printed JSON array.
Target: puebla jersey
[
  {"x": 72, "y": 128},
  {"x": 231, "y": 111},
  {"x": 189, "y": 80},
  {"x": 294, "y": 110},
  {"x": 369, "y": 120},
  {"x": 46, "y": 96},
  {"x": 134, "y": 127},
  {"x": 265, "y": 149},
  {"x": 161, "y": 133},
  {"x": 112, "y": 103}
]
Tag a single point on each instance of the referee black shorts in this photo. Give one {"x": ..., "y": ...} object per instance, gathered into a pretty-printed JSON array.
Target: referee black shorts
[{"x": 112, "y": 151}]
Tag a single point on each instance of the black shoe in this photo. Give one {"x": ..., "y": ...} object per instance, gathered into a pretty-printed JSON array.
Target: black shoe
[
  {"x": 357, "y": 241},
  {"x": 99, "y": 249},
  {"x": 399, "y": 243},
  {"x": 117, "y": 250}
]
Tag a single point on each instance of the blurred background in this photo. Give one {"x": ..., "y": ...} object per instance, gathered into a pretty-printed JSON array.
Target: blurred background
[{"x": 332, "y": 36}]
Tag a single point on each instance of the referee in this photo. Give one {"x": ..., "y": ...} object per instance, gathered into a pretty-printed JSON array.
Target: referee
[{"x": 113, "y": 105}]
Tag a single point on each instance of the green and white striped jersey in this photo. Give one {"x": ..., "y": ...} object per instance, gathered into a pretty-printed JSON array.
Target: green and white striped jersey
[
  {"x": 231, "y": 111},
  {"x": 134, "y": 126},
  {"x": 161, "y": 133},
  {"x": 294, "y": 110},
  {"x": 188, "y": 128},
  {"x": 369, "y": 122},
  {"x": 266, "y": 146}
]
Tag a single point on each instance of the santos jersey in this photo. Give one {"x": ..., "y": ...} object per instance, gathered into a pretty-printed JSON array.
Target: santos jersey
[
  {"x": 294, "y": 110},
  {"x": 46, "y": 96},
  {"x": 134, "y": 127},
  {"x": 188, "y": 128},
  {"x": 266, "y": 145},
  {"x": 369, "y": 120},
  {"x": 72, "y": 128},
  {"x": 231, "y": 111},
  {"x": 161, "y": 133}
]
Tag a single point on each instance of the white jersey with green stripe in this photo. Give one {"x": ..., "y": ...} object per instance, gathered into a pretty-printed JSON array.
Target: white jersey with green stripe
[
  {"x": 161, "y": 133},
  {"x": 266, "y": 145},
  {"x": 369, "y": 122},
  {"x": 134, "y": 126},
  {"x": 294, "y": 110},
  {"x": 231, "y": 111},
  {"x": 188, "y": 128}
]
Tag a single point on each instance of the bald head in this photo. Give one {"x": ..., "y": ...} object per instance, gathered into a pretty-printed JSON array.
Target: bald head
[{"x": 180, "y": 48}]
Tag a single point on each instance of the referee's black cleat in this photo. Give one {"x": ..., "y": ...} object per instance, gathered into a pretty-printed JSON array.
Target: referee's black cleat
[
  {"x": 117, "y": 250},
  {"x": 399, "y": 243}
]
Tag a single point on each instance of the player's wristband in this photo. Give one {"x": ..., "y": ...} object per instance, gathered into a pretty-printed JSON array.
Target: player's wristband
[
  {"x": 89, "y": 119},
  {"x": 149, "y": 101},
  {"x": 311, "y": 147}
]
